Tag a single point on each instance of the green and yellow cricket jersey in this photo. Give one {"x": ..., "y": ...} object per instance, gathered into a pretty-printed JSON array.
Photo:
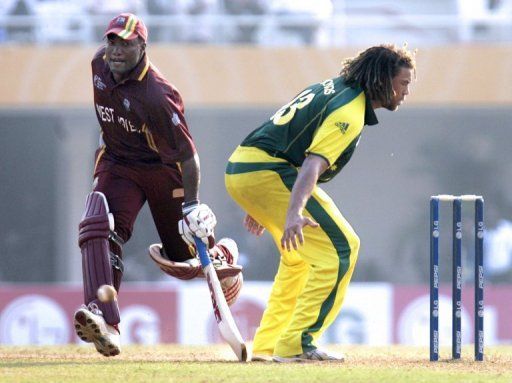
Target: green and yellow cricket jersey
[{"x": 326, "y": 119}]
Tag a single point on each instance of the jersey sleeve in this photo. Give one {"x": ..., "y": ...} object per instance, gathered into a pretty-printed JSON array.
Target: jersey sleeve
[
  {"x": 169, "y": 129},
  {"x": 334, "y": 135}
]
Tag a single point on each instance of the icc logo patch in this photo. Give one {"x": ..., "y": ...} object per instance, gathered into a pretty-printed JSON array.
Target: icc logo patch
[
  {"x": 126, "y": 104},
  {"x": 98, "y": 83},
  {"x": 120, "y": 20}
]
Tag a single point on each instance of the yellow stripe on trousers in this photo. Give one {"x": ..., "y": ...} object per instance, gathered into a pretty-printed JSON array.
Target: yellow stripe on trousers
[{"x": 311, "y": 283}]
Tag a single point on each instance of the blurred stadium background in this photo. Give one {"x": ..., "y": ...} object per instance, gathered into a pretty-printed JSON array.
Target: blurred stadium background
[{"x": 235, "y": 62}]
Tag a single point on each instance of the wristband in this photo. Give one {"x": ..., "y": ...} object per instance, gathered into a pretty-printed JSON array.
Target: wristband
[{"x": 187, "y": 207}]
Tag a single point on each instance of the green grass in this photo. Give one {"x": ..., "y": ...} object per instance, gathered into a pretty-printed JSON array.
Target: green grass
[{"x": 172, "y": 363}]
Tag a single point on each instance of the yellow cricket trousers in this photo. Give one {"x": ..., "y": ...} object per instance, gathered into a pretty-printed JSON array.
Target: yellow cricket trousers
[{"x": 311, "y": 282}]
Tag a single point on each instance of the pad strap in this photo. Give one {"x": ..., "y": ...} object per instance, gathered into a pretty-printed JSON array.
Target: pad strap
[
  {"x": 116, "y": 262},
  {"x": 115, "y": 238}
]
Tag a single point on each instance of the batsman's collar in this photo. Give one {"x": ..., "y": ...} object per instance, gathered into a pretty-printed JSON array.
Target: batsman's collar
[
  {"x": 128, "y": 27},
  {"x": 141, "y": 69}
]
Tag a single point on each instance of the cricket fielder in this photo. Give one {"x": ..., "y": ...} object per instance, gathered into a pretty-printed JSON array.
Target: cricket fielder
[{"x": 273, "y": 176}]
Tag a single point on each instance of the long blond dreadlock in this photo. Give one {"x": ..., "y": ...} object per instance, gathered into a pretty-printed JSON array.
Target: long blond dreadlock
[{"x": 373, "y": 70}]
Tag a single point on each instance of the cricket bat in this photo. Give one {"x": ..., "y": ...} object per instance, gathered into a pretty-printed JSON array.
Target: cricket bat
[{"x": 225, "y": 321}]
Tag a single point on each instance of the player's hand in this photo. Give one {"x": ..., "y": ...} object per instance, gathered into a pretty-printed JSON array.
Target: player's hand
[
  {"x": 186, "y": 233},
  {"x": 199, "y": 221},
  {"x": 293, "y": 231},
  {"x": 253, "y": 226}
]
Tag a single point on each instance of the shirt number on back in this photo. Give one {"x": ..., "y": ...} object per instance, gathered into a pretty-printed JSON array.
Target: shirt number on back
[{"x": 286, "y": 113}]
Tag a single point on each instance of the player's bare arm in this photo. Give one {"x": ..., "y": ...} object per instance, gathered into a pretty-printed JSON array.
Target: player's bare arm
[
  {"x": 198, "y": 219},
  {"x": 312, "y": 167},
  {"x": 190, "y": 170}
]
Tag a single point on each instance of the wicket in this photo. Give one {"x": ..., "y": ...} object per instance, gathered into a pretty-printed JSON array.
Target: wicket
[{"x": 456, "y": 275}]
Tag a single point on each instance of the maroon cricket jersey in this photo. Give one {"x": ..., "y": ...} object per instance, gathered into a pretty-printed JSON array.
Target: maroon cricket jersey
[{"x": 142, "y": 117}]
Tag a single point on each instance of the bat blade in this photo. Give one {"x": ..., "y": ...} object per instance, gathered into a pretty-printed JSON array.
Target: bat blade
[{"x": 227, "y": 326}]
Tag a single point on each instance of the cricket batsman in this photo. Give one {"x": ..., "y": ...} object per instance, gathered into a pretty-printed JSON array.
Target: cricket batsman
[{"x": 146, "y": 153}]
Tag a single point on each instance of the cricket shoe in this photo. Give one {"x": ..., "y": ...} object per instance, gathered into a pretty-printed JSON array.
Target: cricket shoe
[
  {"x": 90, "y": 326},
  {"x": 309, "y": 356},
  {"x": 224, "y": 254}
]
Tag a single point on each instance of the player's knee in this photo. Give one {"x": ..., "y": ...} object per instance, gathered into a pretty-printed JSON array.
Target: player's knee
[
  {"x": 96, "y": 221},
  {"x": 101, "y": 250}
]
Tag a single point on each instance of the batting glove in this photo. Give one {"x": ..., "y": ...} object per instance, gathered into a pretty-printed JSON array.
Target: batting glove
[{"x": 199, "y": 221}]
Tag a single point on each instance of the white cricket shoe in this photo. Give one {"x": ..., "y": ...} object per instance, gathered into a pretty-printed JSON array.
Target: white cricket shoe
[
  {"x": 90, "y": 326},
  {"x": 224, "y": 252},
  {"x": 309, "y": 356}
]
